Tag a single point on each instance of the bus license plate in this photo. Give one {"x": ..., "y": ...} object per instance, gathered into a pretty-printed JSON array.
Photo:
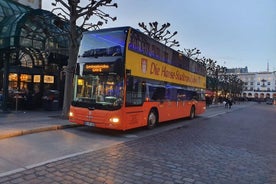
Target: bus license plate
[{"x": 89, "y": 124}]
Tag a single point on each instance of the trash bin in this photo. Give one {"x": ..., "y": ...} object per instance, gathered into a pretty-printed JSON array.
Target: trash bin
[{"x": 51, "y": 100}]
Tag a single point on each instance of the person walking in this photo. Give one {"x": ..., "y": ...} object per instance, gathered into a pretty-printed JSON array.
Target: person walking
[{"x": 230, "y": 103}]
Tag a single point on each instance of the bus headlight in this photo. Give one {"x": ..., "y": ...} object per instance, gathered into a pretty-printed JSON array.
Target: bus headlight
[
  {"x": 114, "y": 120},
  {"x": 71, "y": 114}
]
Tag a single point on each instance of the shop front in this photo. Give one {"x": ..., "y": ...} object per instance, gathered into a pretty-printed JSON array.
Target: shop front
[
  {"x": 27, "y": 90},
  {"x": 33, "y": 52}
]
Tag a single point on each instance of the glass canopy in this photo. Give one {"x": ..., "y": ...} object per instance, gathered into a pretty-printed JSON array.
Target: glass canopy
[{"x": 21, "y": 26}]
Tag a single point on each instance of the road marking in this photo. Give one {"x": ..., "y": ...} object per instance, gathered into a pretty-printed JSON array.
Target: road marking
[
  {"x": 214, "y": 115},
  {"x": 130, "y": 136}
]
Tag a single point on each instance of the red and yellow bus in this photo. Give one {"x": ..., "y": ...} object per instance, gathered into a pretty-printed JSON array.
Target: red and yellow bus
[{"x": 125, "y": 79}]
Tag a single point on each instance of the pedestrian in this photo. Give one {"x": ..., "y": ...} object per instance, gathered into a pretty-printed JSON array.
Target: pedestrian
[
  {"x": 226, "y": 103},
  {"x": 230, "y": 103}
]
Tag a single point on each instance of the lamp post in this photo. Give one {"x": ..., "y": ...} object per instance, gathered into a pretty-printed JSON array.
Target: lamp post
[{"x": 5, "y": 58}]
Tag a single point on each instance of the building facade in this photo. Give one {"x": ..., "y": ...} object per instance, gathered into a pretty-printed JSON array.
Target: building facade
[
  {"x": 259, "y": 85},
  {"x": 237, "y": 70}
]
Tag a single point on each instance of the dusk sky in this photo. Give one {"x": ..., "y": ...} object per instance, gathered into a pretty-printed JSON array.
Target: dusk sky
[{"x": 235, "y": 33}]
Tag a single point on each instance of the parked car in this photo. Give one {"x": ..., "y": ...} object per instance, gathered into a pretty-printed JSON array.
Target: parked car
[
  {"x": 269, "y": 101},
  {"x": 51, "y": 100}
]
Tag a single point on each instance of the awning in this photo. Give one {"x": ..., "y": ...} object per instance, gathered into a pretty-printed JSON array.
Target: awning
[{"x": 209, "y": 93}]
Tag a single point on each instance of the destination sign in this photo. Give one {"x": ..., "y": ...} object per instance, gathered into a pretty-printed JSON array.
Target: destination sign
[{"x": 95, "y": 68}]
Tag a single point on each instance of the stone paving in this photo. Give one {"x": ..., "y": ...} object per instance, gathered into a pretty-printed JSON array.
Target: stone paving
[{"x": 208, "y": 151}]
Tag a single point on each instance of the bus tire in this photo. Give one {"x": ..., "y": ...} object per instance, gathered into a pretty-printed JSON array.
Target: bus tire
[
  {"x": 192, "y": 112},
  {"x": 152, "y": 119}
]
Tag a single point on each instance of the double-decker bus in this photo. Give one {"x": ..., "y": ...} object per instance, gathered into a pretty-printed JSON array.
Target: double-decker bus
[{"x": 125, "y": 79}]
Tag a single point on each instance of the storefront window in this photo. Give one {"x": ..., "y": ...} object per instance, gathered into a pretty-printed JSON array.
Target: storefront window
[
  {"x": 36, "y": 78},
  {"x": 49, "y": 79},
  {"x": 19, "y": 81}
]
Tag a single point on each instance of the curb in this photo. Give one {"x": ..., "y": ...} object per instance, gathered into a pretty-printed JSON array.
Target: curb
[{"x": 16, "y": 133}]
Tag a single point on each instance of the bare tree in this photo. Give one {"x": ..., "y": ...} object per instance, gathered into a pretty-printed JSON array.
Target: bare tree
[
  {"x": 192, "y": 53},
  {"x": 231, "y": 85},
  {"x": 162, "y": 34},
  {"x": 73, "y": 12}
]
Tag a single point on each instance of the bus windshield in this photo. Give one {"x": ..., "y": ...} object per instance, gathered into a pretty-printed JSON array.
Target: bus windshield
[
  {"x": 99, "y": 77},
  {"x": 98, "y": 92}
]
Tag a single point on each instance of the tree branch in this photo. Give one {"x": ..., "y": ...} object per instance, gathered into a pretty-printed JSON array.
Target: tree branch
[{"x": 161, "y": 35}]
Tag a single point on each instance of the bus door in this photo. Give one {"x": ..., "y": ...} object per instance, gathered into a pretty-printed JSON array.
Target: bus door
[{"x": 135, "y": 98}]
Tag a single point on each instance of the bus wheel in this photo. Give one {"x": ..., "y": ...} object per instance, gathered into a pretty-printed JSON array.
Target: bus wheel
[
  {"x": 152, "y": 119},
  {"x": 192, "y": 112}
]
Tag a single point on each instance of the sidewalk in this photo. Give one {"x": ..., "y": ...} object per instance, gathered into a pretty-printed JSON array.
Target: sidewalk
[{"x": 27, "y": 122}]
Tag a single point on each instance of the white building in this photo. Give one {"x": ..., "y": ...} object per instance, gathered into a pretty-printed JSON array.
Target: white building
[{"x": 259, "y": 85}]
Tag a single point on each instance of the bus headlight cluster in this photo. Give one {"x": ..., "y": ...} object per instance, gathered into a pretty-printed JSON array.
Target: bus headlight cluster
[
  {"x": 71, "y": 114},
  {"x": 114, "y": 120}
]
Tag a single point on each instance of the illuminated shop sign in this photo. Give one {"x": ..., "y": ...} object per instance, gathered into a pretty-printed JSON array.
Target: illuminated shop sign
[
  {"x": 13, "y": 77},
  {"x": 36, "y": 78},
  {"x": 80, "y": 82},
  {"x": 23, "y": 77},
  {"x": 48, "y": 79}
]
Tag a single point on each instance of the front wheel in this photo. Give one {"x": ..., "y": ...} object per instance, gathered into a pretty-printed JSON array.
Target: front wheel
[
  {"x": 152, "y": 119},
  {"x": 192, "y": 112}
]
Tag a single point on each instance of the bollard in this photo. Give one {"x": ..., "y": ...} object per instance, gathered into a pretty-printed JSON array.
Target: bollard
[{"x": 16, "y": 102}]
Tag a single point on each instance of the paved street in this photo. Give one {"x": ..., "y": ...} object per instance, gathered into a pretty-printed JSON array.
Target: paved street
[{"x": 236, "y": 146}]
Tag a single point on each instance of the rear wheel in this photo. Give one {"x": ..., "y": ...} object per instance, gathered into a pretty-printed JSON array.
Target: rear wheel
[
  {"x": 192, "y": 112},
  {"x": 152, "y": 119}
]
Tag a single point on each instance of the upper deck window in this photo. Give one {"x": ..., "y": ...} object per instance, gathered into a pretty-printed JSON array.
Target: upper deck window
[{"x": 103, "y": 43}]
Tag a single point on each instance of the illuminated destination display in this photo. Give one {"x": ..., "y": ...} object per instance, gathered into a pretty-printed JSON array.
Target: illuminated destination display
[{"x": 97, "y": 67}]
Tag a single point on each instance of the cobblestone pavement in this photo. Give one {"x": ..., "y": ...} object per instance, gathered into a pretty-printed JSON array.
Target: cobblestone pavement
[{"x": 234, "y": 150}]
